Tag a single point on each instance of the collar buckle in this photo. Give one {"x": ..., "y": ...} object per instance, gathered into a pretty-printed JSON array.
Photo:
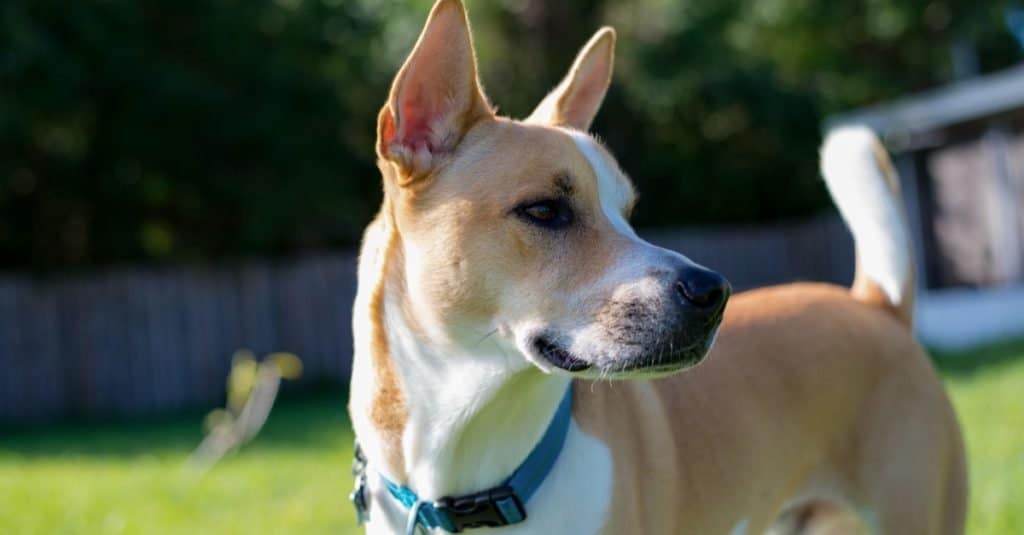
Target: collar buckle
[
  {"x": 358, "y": 494},
  {"x": 492, "y": 508}
]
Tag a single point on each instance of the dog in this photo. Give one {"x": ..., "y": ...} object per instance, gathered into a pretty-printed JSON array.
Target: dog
[{"x": 501, "y": 283}]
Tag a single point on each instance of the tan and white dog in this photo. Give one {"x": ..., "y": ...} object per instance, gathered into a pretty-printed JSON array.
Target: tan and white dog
[{"x": 502, "y": 267}]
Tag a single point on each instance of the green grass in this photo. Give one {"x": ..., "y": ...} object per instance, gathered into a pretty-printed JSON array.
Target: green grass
[
  {"x": 127, "y": 478},
  {"x": 988, "y": 391}
]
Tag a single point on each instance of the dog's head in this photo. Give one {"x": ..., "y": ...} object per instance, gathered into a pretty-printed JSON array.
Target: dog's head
[{"x": 520, "y": 229}]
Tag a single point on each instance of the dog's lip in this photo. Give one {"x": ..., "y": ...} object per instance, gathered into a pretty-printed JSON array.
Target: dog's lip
[
  {"x": 675, "y": 361},
  {"x": 558, "y": 356}
]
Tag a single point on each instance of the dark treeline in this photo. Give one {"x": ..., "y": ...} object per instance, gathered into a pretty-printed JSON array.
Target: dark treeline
[{"x": 203, "y": 129}]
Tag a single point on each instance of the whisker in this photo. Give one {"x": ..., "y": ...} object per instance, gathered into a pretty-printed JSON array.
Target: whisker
[{"x": 486, "y": 336}]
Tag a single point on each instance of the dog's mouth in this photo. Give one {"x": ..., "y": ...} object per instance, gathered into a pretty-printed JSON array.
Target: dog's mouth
[
  {"x": 668, "y": 362},
  {"x": 558, "y": 356},
  {"x": 664, "y": 360}
]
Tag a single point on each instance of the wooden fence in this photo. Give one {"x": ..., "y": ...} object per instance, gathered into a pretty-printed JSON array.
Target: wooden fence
[{"x": 137, "y": 341}]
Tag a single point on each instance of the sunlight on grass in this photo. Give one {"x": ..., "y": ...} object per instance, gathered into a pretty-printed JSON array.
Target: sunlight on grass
[
  {"x": 294, "y": 477},
  {"x": 990, "y": 403}
]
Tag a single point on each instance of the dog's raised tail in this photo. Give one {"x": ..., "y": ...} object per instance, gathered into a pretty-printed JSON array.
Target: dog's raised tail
[{"x": 866, "y": 190}]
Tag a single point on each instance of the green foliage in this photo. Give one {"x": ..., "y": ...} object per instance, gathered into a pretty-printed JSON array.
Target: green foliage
[
  {"x": 184, "y": 129},
  {"x": 193, "y": 130}
]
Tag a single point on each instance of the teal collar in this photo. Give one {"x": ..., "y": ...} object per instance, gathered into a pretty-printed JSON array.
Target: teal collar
[{"x": 498, "y": 506}]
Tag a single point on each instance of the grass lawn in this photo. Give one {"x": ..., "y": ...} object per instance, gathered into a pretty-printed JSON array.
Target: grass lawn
[
  {"x": 988, "y": 391},
  {"x": 127, "y": 478}
]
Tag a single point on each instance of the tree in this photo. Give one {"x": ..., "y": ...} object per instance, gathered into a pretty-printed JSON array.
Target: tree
[{"x": 144, "y": 130}]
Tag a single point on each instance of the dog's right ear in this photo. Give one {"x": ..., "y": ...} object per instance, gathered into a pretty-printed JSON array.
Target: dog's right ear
[
  {"x": 435, "y": 98},
  {"x": 575, "y": 101}
]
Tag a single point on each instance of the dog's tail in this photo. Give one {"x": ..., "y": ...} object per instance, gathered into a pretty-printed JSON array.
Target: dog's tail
[{"x": 866, "y": 189}]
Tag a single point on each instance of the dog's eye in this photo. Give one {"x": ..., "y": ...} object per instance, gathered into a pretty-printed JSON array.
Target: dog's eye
[{"x": 552, "y": 213}]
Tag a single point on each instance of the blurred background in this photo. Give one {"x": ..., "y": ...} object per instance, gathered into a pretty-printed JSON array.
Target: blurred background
[{"x": 182, "y": 180}]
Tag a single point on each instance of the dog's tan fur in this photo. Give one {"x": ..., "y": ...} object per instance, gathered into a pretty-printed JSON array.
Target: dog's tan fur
[
  {"x": 815, "y": 398},
  {"x": 773, "y": 403},
  {"x": 388, "y": 409}
]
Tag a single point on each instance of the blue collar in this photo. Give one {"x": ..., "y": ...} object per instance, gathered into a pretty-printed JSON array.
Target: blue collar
[{"x": 497, "y": 506}]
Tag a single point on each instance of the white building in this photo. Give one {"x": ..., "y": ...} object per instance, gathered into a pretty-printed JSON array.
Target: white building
[{"x": 959, "y": 150}]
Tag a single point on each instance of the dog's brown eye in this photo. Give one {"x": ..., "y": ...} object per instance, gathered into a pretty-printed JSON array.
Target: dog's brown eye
[
  {"x": 541, "y": 212},
  {"x": 551, "y": 214}
]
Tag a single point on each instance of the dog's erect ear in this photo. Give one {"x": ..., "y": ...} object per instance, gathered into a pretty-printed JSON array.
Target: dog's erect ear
[
  {"x": 578, "y": 97},
  {"x": 435, "y": 97}
]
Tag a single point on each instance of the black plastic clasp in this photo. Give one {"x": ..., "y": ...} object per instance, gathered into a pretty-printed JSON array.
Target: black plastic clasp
[
  {"x": 358, "y": 494},
  {"x": 488, "y": 509},
  {"x": 358, "y": 499}
]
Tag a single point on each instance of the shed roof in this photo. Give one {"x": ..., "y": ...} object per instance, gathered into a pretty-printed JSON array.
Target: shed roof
[{"x": 960, "y": 102}]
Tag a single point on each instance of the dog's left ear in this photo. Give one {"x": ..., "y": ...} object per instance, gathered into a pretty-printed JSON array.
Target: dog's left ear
[{"x": 575, "y": 101}]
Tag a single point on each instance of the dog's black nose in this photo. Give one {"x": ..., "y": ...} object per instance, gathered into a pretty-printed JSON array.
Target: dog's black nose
[{"x": 703, "y": 288}]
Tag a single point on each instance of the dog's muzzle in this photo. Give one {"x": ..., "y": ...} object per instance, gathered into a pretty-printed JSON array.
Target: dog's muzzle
[
  {"x": 699, "y": 297},
  {"x": 654, "y": 335}
]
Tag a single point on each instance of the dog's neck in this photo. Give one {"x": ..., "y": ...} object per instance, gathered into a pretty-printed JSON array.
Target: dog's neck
[{"x": 469, "y": 421}]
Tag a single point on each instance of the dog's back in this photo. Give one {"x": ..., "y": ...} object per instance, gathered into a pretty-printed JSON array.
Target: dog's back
[{"x": 819, "y": 389}]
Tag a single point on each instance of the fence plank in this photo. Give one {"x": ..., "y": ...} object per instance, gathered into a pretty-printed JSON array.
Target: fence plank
[{"x": 13, "y": 367}]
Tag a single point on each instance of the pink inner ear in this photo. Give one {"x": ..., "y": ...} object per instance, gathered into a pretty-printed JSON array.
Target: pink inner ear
[
  {"x": 435, "y": 93},
  {"x": 414, "y": 130}
]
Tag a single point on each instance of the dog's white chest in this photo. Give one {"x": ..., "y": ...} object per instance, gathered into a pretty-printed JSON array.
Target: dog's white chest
[
  {"x": 577, "y": 494},
  {"x": 575, "y": 497}
]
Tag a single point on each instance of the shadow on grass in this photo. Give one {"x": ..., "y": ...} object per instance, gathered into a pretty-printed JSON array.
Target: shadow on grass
[
  {"x": 969, "y": 362},
  {"x": 310, "y": 422}
]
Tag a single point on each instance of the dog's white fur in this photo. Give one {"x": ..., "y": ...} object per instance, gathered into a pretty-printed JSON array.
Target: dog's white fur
[
  {"x": 864, "y": 196},
  {"x": 614, "y": 193},
  {"x": 584, "y": 472}
]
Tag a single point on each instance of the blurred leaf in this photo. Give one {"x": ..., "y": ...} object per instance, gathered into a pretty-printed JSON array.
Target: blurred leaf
[
  {"x": 288, "y": 365},
  {"x": 241, "y": 379},
  {"x": 216, "y": 418}
]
